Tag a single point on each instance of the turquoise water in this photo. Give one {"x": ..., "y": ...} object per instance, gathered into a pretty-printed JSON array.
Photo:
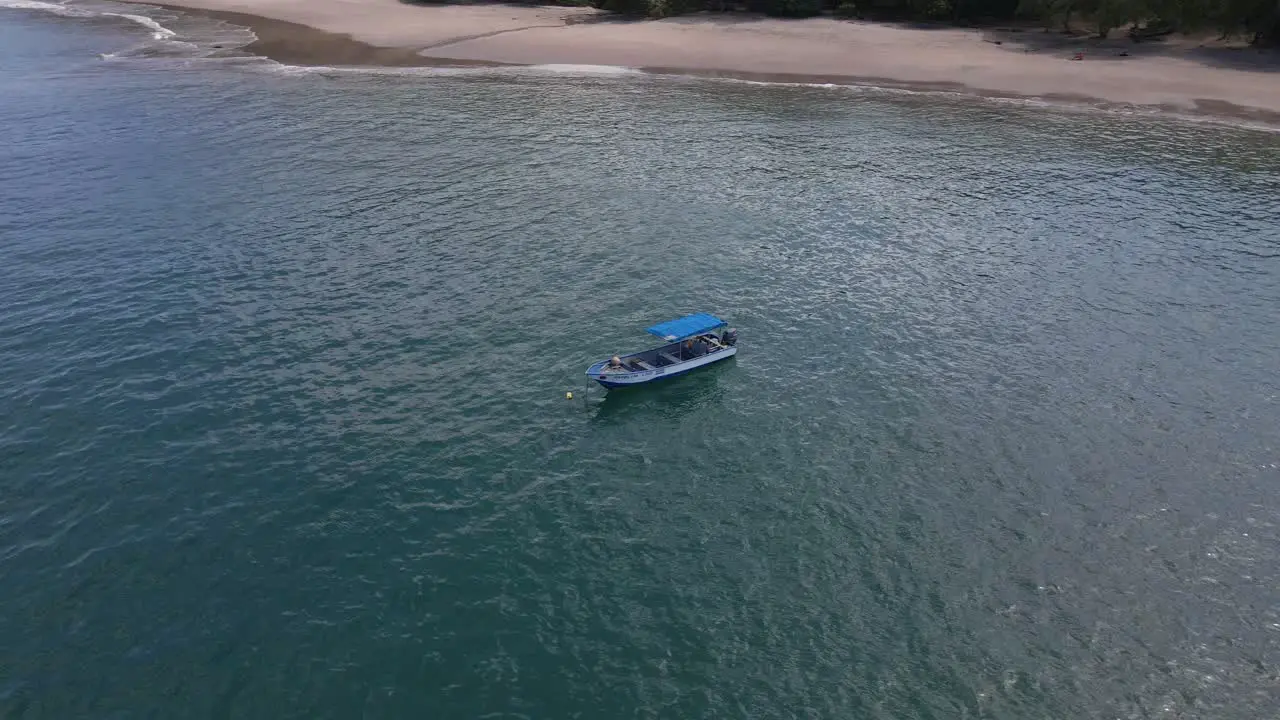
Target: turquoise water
[{"x": 284, "y": 355}]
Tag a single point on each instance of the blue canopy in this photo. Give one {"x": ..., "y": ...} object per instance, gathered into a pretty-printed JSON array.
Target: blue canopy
[{"x": 687, "y": 326}]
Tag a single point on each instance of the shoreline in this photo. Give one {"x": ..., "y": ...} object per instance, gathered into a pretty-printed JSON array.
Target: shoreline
[{"x": 818, "y": 51}]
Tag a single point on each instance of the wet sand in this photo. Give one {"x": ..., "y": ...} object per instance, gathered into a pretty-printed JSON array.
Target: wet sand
[{"x": 297, "y": 44}]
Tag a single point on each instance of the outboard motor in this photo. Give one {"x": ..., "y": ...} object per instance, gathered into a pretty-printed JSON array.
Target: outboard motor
[{"x": 730, "y": 337}]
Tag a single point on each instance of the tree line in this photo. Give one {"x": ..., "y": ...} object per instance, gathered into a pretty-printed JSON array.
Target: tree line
[{"x": 1259, "y": 20}]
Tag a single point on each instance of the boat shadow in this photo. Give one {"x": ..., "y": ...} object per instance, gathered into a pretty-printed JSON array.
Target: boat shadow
[{"x": 669, "y": 398}]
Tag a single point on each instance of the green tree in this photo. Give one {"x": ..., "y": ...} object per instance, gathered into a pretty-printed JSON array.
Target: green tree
[
  {"x": 1260, "y": 19},
  {"x": 624, "y": 7},
  {"x": 1048, "y": 11},
  {"x": 787, "y": 8},
  {"x": 1110, "y": 14}
]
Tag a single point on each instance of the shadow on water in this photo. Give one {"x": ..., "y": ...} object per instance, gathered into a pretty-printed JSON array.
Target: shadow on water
[{"x": 667, "y": 399}]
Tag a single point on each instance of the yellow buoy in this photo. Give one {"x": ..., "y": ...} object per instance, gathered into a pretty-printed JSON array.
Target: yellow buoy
[{"x": 568, "y": 396}]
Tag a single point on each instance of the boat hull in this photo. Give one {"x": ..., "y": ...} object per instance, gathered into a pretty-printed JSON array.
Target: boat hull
[{"x": 644, "y": 377}]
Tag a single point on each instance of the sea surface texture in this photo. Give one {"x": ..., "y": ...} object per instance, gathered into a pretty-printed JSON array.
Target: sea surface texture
[{"x": 284, "y": 356}]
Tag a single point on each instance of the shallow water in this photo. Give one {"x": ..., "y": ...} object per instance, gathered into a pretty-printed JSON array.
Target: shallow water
[{"x": 283, "y": 429}]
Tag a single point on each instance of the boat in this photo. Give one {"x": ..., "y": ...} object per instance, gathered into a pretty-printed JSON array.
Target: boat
[{"x": 692, "y": 341}]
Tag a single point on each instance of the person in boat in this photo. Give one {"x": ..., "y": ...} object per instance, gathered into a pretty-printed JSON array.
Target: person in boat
[
  {"x": 615, "y": 364},
  {"x": 695, "y": 348}
]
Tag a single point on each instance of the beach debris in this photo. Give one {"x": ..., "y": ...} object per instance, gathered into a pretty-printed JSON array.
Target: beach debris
[{"x": 1078, "y": 56}]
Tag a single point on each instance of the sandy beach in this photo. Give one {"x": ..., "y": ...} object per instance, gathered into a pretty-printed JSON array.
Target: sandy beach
[{"x": 1179, "y": 74}]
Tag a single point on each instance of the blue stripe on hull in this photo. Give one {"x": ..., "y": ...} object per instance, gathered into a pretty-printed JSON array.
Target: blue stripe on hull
[{"x": 657, "y": 378}]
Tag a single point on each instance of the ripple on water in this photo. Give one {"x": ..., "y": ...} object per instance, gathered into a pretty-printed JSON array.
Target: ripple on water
[{"x": 284, "y": 361}]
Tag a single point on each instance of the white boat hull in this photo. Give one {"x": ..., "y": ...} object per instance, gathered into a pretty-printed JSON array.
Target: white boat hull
[{"x": 640, "y": 377}]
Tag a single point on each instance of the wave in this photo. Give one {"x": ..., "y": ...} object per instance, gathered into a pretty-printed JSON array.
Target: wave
[
  {"x": 1124, "y": 111},
  {"x": 158, "y": 31},
  {"x": 54, "y": 8},
  {"x": 456, "y": 70},
  {"x": 583, "y": 69},
  {"x": 1118, "y": 110}
]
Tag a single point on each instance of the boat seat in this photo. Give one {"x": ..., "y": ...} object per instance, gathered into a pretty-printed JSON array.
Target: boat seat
[
  {"x": 669, "y": 358},
  {"x": 641, "y": 364}
]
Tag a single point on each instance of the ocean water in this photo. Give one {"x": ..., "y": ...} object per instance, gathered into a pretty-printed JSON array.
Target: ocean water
[{"x": 284, "y": 355}]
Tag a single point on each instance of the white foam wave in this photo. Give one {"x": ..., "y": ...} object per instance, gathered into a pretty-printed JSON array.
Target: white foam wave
[
  {"x": 412, "y": 71},
  {"x": 158, "y": 31},
  {"x": 583, "y": 69},
  {"x": 54, "y": 8},
  {"x": 452, "y": 70}
]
